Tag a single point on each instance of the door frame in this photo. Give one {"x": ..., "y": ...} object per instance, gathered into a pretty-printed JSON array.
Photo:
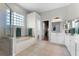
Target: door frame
[{"x": 43, "y": 29}]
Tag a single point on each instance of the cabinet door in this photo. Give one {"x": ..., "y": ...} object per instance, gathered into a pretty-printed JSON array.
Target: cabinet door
[
  {"x": 60, "y": 39},
  {"x": 57, "y": 38},
  {"x": 77, "y": 52},
  {"x": 53, "y": 38},
  {"x": 72, "y": 47},
  {"x": 67, "y": 42},
  {"x": 68, "y": 45}
]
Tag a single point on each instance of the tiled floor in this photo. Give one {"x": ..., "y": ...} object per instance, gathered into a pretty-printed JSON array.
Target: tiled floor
[
  {"x": 45, "y": 38},
  {"x": 44, "y": 48},
  {"x": 4, "y": 47},
  {"x": 3, "y": 52}
]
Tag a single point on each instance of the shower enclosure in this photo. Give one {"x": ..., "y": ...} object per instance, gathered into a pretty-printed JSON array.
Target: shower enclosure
[{"x": 5, "y": 30}]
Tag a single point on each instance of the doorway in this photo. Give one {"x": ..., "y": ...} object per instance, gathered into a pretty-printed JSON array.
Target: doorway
[{"x": 46, "y": 26}]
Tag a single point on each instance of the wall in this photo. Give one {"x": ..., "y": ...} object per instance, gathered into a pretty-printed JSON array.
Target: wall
[
  {"x": 66, "y": 13},
  {"x": 61, "y": 12},
  {"x": 73, "y": 10}
]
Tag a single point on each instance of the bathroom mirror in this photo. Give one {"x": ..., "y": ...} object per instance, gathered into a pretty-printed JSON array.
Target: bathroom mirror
[
  {"x": 56, "y": 27},
  {"x": 72, "y": 27},
  {"x": 77, "y": 27},
  {"x": 67, "y": 26}
]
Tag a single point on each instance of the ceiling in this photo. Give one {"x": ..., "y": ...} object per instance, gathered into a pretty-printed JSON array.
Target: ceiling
[{"x": 42, "y": 7}]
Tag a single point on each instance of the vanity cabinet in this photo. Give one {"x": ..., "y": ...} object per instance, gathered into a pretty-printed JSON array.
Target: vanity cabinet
[
  {"x": 53, "y": 38},
  {"x": 70, "y": 44},
  {"x": 57, "y": 38},
  {"x": 72, "y": 47},
  {"x": 60, "y": 38},
  {"x": 67, "y": 42},
  {"x": 77, "y": 45},
  {"x": 77, "y": 52},
  {"x": 57, "y": 35}
]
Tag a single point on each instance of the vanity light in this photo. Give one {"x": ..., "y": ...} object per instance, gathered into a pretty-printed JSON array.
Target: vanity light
[{"x": 56, "y": 19}]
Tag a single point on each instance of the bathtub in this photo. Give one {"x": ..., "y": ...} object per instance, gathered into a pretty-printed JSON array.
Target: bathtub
[{"x": 23, "y": 43}]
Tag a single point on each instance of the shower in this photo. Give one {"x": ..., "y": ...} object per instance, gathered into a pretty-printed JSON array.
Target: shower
[{"x": 5, "y": 30}]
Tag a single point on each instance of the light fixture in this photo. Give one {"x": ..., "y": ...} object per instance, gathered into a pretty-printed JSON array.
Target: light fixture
[{"x": 56, "y": 19}]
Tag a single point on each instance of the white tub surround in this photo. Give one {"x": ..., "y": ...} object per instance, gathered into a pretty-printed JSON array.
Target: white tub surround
[{"x": 21, "y": 45}]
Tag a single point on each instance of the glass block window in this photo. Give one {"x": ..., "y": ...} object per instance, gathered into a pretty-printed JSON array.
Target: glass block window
[
  {"x": 8, "y": 17},
  {"x": 16, "y": 19}
]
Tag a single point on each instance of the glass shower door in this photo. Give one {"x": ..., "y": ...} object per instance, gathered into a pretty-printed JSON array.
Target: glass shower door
[{"x": 5, "y": 31}]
